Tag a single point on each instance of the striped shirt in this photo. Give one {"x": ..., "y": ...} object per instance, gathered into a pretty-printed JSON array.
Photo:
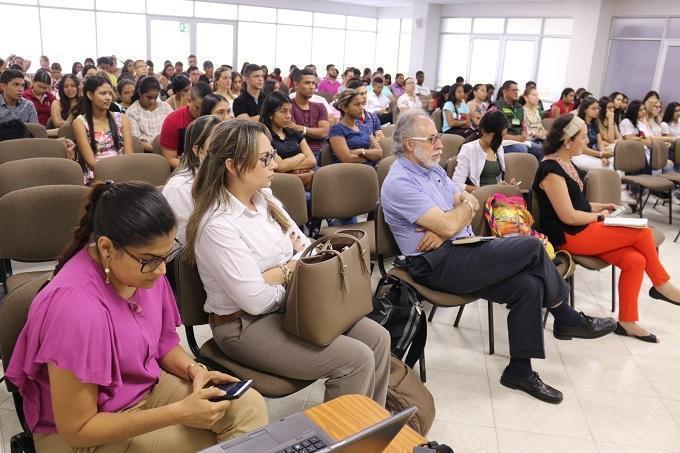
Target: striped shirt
[
  {"x": 145, "y": 124},
  {"x": 24, "y": 111},
  {"x": 409, "y": 191}
]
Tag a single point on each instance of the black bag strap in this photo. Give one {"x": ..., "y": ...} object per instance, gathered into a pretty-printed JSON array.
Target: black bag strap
[{"x": 415, "y": 351}]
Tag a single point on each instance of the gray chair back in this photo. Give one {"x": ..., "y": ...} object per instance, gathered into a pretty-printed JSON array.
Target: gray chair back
[
  {"x": 290, "y": 191},
  {"x": 325, "y": 153},
  {"x": 452, "y": 144},
  {"x": 603, "y": 186},
  {"x": 38, "y": 171},
  {"x": 385, "y": 245},
  {"x": 629, "y": 156},
  {"x": 26, "y": 148},
  {"x": 36, "y": 130},
  {"x": 387, "y": 145},
  {"x": 146, "y": 167},
  {"x": 522, "y": 167},
  {"x": 383, "y": 168},
  {"x": 344, "y": 190}
]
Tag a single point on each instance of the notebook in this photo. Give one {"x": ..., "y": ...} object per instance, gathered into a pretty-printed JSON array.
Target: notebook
[{"x": 631, "y": 222}]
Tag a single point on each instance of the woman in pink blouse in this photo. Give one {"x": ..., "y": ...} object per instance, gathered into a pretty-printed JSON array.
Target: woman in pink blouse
[{"x": 98, "y": 362}]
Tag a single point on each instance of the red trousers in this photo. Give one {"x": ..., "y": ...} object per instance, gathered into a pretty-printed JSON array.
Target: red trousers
[{"x": 630, "y": 249}]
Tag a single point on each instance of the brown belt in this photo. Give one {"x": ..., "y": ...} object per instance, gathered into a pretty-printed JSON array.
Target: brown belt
[{"x": 217, "y": 320}]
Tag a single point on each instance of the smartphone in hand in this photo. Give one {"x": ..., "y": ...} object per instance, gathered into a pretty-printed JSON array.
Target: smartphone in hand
[{"x": 233, "y": 390}]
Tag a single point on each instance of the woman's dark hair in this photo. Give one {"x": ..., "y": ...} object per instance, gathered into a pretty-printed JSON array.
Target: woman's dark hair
[
  {"x": 128, "y": 213},
  {"x": 144, "y": 85},
  {"x": 355, "y": 83},
  {"x": 269, "y": 86},
  {"x": 43, "y": 75},
  {"x": 125, "y": 65},
  {"x": 442, "y": 95},
  {"x": 164, "y": 72},
  {"x": 585, "y": 103},
  {"x": 566, "y": 92},
  {"x": 614, "y": 94},
  {"x": 73, "y": 67},
  {"x": 180, "y": 82},
  {"x": 196, "y": 135},
  {"x": 650, "y": 94},
  {"x": 471, "y": 94},
  {"x": 86, "y": 68},
  {"x": 669, "y": 113},
  {"x": 122, "y": 83},
  {"x": 604, "y": 101},
  {"x": 493, "y": 123},
  {"x": 64, "y": 101},
  {"x": 90, "y": 86},
  {"x": 555, "y": 138},
  {"x": 210, "y": 100},
  {"x": 270, "y": 105},
  {"x": 633, "y": 110},
  {"x": 452, "y": 94}
]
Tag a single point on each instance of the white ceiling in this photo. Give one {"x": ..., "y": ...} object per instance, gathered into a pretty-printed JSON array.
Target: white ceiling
[{"x": 390, "y": 3}]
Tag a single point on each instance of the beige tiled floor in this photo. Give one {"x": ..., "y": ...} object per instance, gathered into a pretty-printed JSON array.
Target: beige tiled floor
[{"x": 621, "y": 395}]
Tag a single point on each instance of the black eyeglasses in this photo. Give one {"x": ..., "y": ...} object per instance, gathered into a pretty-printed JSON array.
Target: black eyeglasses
[
  {"x": 268, "y": 158},
  {"x": 151, "y": 264}
]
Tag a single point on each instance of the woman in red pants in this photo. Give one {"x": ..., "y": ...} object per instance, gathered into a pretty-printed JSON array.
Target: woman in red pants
[{"x": 573, "y": 224}]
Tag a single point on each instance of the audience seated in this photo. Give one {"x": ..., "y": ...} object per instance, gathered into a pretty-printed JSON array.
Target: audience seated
[
  {"x": 194, "y": 74},
  {"x": 310, "y": 118},
  {"x": 507, "y": 103},
  {"x": 367, "y": 119},
  {"x": 293, "y": 154},
  {"x": 346, "y": 77},
  {"x": 175, "y": 124},
  {"x": 351, "y": 143},
  {"x": 217, "y": 105},
  {"x": 609, "y": 128},
  {"x": 76, "y": 68},
  {"x": 490, "y": 89},
  {"x": 536, "y": 132},
  {"x": 455, "y": 113},
  {"x": 652, "y": 103},
  {"x": 596, "y": 154},
  {"x": 573, "y": 224},
  {"x": 619, "y": 106},
  {"x": 178, "y": 188},
  {"x": 439, "y": 98},
  {"x": 386, "y": 87},
  {"x": 39, "y": 94},
  {"x": 208, "y": 72},
  {"x": 165, "y": 79},
  {"x": 99, "y": 133},
  {"x": 634, "y": 125},
  {"x": 482, "y": 162},
  {"x": 377, "y": 102},
  {"x": 564, "y": 105},
  {"x": 398, "y": 88},
  {"x": 425, "y": 209},
  {"x": 670, "y": 123},
  {"x": 126, "y": 91},
  {"x": 90, "y": 71},
  {"x": 69, "y": 98},
  {"x": 99, "y": 363},
  {"x": 477, "y": 105},
  {"x": 247, "y": 261},
  {"x": 55, "y": 69},
  {"x": 147, "y": 113},
  {"x": 420, "y": 88},
  {"x": 236, "y": 83},
  {"x": 532, "y": 84},
  {"x": 222, "y": 86},
  {"x": 248, "y": 104},
  {"x": 330, "y": 83},
  {"x": 409, "y": 100},
  {"x": 181, "y": 86}
]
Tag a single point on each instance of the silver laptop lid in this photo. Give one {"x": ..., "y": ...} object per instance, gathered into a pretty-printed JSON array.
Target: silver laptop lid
[{"x": 374, "y": 438}]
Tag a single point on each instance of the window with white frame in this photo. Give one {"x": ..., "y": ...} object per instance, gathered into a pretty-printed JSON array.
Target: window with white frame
[{"x": 493, "y": 49}]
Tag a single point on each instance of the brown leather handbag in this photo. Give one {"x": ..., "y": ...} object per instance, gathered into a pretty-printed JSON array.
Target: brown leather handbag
[{"x": 331, "y": 290}]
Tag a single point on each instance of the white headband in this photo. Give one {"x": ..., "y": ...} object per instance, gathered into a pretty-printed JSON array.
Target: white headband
[{"x": 574, "y": 126}]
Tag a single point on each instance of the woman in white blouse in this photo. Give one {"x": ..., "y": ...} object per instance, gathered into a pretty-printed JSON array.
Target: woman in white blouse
[
  {"x": 409, "y": 100},
  {"x": 246, "y": 247},
  {"x": 482, "y": 162}
]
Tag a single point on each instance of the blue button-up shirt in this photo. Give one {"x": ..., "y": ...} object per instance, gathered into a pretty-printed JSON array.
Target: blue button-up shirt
[
  {"x": 23, "y": 111},
  {"x": 408, "y": 192}
]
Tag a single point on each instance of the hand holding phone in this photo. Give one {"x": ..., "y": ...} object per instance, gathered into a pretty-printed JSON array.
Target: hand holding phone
[{"x": 233, "y": 390}]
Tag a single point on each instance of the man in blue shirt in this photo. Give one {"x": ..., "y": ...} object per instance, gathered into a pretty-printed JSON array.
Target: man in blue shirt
[
  {"x": 425, "y": 210},
  {"x": 12, "y": 104}
]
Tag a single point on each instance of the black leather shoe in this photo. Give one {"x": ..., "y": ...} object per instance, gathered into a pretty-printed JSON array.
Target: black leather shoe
[
  {"x": 654, "y": 294},
  {"x": 589, "y": 327},
  {"x": 533, "y": 385},
  {"x": 650, "y": 338}
]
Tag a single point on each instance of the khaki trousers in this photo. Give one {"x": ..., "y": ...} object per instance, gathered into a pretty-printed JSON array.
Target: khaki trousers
[
  {"x": 245, "y": 414},
  {"x": 357, "y": 362}
]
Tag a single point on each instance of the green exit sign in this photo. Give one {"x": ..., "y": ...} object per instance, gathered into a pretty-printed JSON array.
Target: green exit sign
[{"x": 183, "y": 27}]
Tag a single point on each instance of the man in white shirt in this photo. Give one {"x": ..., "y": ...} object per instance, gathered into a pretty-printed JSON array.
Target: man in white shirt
[
  {"x": 420, "y": 88},
  {"x": 377, "y": 102}
]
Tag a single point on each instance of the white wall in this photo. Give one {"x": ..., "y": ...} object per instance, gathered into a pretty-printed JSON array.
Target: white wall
[
  {"x": 425, "y": 41},
  {"x": 310, "y": 5}
]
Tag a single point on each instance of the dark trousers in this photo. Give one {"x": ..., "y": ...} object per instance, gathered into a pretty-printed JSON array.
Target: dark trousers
[
  {"x": 514, "y": 271},
  {"x": 385, "y": 118}
]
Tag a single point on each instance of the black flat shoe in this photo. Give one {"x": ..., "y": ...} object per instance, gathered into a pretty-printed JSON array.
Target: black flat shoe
[
  {"x": 651, "y": 338},
  {"x": 589, "y": 328},
  {"x": 533, "y": 385},
  {"x": 654, "y": 294}
]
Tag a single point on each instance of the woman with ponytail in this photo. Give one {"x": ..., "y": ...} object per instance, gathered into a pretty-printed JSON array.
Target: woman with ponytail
[
  {"x": 246, "y": 247},
  {"x": 577, "y": 226},
  {"x": 98, "y": 362},
  {"x": 99, "y": 133}
]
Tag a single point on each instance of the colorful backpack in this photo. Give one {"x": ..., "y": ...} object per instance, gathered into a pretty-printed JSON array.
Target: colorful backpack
[{"x": 509, "y": 216}]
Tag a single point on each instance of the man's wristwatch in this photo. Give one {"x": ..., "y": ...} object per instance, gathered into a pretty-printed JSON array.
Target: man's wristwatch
[
  {"x": 304, "y": 130},
  {"x": 362, "y": 151},
  {"x": 600, "y": 217}
]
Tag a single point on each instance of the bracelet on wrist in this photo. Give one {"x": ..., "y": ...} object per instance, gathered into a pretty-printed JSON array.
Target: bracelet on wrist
[{"x": 193, "y": 364}]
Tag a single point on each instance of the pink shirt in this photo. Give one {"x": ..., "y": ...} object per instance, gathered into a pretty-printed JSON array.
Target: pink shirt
[
  {"x": 329, "y": 86},
  {"x": 81, "y": 324}
]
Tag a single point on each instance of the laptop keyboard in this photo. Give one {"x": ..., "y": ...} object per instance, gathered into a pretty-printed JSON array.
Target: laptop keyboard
[{"x": 309, "y": 445}]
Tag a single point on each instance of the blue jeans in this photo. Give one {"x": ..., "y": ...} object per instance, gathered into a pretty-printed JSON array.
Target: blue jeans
[{"x": 535, "y": 150}]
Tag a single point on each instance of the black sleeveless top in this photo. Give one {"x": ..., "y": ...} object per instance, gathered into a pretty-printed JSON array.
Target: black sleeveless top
[{"x": 550, "y": 223}]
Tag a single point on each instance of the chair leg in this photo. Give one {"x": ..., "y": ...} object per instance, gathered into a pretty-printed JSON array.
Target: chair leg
[
  {"x": 459, "y": 315},
  {"x": 677, "y": 236},
  {"x": 434, "y": 309},
  {"x": 545, "y": 318},
  {"x": 572, "y": 292},
  {"x": 613, "y": 288},
  {"x": 492, "y": 348},
  {"x": 421, "y": 367},
  {"x": 670, "y": 207}
]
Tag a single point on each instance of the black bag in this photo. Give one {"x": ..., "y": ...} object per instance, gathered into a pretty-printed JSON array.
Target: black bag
[
  {"x": 397, "y": 308},
  {"x": 14, "y": 129}
]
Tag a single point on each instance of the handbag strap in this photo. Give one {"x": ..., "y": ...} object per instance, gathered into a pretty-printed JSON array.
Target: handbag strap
[{"x": 328, "y": 238}]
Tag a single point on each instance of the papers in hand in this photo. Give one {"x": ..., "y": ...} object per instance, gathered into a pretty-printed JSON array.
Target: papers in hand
[
  {"x": 472, "y": 240},
  {"x": 625, "y": 222}
]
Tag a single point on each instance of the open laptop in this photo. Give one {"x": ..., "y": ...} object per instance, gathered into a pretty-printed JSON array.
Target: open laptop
[{"x": 299, "y": 434}]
